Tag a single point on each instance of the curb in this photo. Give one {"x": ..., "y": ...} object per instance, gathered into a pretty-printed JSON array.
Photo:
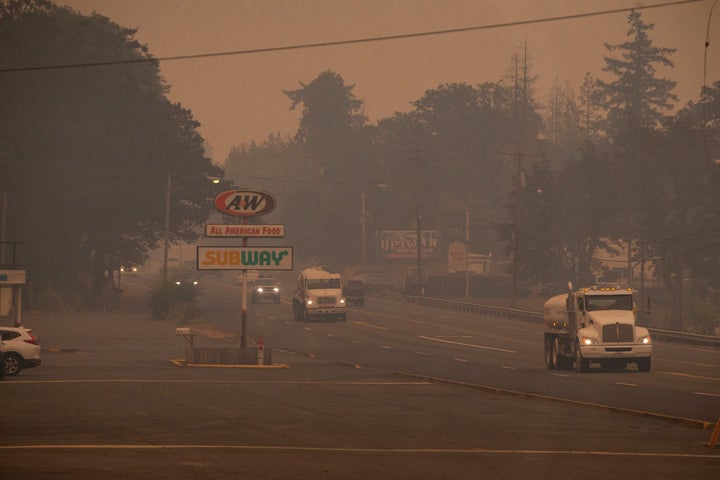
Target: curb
[
  {"x": 686, "y": 421},
  {"x": 183, "y": 363}
]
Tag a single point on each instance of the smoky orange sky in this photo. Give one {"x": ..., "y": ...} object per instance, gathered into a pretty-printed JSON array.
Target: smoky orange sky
[{"x": 239, "y": 98}]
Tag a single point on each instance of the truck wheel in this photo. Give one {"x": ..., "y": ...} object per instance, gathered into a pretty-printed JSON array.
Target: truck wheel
[
  {"x": 561, "y": 362},
  {"x": 581, "y": 364},
  {"x": 643, "y": 364},
  {"x": 550, "y": 354}
]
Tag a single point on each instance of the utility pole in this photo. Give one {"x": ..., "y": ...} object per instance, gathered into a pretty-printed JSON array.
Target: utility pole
[
  {"x": 519, "y": 183},
  {"x": 418, "y": 234},
  {"x": 363, "y": 220},
  {"x": 467, "y": 251},
  {"x": 3, "y": 222}
]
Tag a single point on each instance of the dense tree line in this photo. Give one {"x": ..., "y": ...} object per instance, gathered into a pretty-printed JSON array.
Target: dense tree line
[
  {"x": 610, "y": 166},
  {"x": 85, "y": 152}
]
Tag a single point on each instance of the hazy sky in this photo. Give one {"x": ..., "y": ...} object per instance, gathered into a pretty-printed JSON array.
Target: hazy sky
[{"x": 240, "y": 98}]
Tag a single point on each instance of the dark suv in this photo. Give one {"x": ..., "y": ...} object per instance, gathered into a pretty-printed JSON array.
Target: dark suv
[{"x": 265, "y": 288}]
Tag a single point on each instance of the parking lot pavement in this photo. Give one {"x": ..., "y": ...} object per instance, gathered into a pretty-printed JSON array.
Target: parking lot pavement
[{"x": 121, "y": 338}]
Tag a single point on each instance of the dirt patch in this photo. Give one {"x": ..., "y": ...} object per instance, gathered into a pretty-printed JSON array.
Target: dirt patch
[{"x": 213, "y": 332}]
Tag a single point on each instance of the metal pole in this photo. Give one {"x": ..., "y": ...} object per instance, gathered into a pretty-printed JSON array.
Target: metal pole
[
  {"x": 167, "y": 230},
  {"x": 418, "y": 241},
  {"x": 4, "y": 226},
  {"x": 516, "y": 233},
  {"x": 363, "y": 219},
  {"x": 243, "y": 315},
  {"x": 418, "y": 233},
  {"x": 467, "y": 251}
]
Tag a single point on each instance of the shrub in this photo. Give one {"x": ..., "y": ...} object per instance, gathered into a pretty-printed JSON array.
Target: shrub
[{"x": 170, "y": 301}]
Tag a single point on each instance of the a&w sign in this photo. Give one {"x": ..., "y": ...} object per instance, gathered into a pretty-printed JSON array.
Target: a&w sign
[{"x": 245, "y": 203}]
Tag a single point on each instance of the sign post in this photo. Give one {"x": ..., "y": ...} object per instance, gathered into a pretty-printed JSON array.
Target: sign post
[{"x": 245, "y": 204}]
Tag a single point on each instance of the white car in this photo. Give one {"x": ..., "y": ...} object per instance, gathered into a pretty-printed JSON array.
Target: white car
[{"x": 20, "y": 349}]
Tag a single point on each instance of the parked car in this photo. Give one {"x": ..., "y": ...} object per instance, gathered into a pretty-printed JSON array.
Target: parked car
[
  {"x": 265, "y": 288},
  {"x": 20, "y": 349}
]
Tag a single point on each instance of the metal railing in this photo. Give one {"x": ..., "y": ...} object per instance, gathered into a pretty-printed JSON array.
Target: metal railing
[{"x": 537, "y": 317}]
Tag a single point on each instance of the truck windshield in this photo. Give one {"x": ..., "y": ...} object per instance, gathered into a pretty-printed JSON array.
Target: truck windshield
[
  {"x": 320, "y": 283},
  {"x": 608, "y": 302}
]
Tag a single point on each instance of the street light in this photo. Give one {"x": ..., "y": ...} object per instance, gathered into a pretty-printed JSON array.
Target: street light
[
  {"x": 363, "y": 223},
  {"x": 168, "y": 189},
  {"x": 520, "y": 184}
]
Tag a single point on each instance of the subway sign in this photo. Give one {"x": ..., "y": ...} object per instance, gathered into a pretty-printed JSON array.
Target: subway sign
[
  {"x": 244, "y": 258},
  {"x": 245, "y": 203}
]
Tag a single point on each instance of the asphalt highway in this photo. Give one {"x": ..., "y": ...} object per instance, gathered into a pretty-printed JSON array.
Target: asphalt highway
[{"x": 397, "y": 391}]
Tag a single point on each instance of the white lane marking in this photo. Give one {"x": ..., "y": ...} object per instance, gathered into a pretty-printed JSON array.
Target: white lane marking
[
  {"x": 679, "y": 374},
  {"x": 386, "y": 347},
  {"x": 356, "y": 342},
  {"x": 460, "y": 360},
  {"x": 330, "y": 335},
  {"x": 280, "y": 448},
  {"x": 465, "y": 330},
  {"x": 563, "y": 375},
  {"x": 508, "y": 367},
  {"x": 466, "y": 344},
  {"x": 421, "y": 353},
  {"x": 707, "y": 394},
  {"x": 626, "y": 384},
  {"x": 308, "y": 329}
]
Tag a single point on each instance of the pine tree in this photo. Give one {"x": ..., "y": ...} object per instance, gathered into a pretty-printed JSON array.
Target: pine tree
[{"x": 636, "y": 98}]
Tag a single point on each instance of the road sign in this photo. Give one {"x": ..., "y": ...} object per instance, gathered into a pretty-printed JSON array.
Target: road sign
[
  {"x": 255, "y": 231},
  {"x": 244, "y": 258},
  {"x": 245, "y": 203}
]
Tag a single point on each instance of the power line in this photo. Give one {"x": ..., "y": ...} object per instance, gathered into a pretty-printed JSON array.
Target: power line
[{"x": 353, "y": 41}]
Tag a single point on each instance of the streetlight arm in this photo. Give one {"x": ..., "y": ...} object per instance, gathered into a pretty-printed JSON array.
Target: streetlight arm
[{"x": 166, "y": 235}]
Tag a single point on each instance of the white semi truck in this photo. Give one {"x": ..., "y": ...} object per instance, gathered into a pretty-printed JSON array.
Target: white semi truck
[
  {"x": 319, "y": 296},
  {"x": 595, "y": 325}
]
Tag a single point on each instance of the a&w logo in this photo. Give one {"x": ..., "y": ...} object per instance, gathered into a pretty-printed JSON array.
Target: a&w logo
[{"x": 245, "y": 203}]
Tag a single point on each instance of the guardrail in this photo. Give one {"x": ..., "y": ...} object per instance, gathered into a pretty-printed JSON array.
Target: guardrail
[{"x": 537, "y": 317}]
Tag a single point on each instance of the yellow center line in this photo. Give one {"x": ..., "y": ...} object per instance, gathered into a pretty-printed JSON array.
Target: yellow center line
[
  {"x": 363, "y": 324},
  {"x": 466, "y": 344}
]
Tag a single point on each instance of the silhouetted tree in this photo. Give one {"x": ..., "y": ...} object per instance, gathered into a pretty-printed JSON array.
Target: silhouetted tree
[
  {"x": 636, "y": 98},
  {"x": 86, "y": 151}
]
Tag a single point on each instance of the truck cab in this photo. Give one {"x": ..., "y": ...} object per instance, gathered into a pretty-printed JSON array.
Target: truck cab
[
  {"x": 319, "y": 296},
  {"x": 595, "y": 325}
]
